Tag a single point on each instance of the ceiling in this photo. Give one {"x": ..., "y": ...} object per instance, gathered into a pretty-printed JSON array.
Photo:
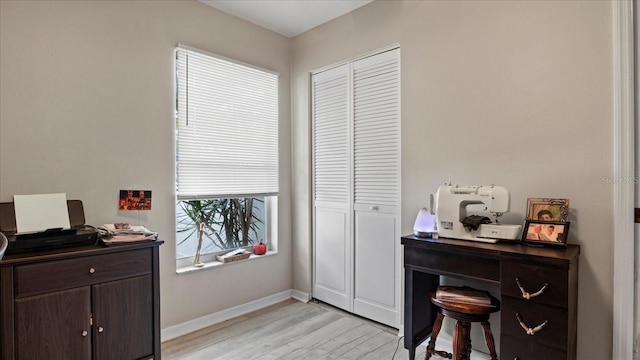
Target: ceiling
[{"x": 287, "y": 17}]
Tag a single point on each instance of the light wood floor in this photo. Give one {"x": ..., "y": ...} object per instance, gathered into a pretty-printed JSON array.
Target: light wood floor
[{"x": 291, "y": 330}]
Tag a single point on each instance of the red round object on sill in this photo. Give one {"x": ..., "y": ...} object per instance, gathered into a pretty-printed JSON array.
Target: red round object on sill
[{"x": 260, "y": 249}]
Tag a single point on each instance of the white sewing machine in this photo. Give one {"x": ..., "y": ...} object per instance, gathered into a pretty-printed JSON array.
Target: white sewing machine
[{"x": 452, "y": 219}]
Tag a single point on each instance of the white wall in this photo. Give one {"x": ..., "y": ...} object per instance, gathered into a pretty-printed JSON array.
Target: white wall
[
  {"x": 87, "y": 108},
  {"x": 513, "y": 93}
]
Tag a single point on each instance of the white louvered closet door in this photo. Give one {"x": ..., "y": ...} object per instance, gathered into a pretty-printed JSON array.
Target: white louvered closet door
[
  {"x": 376, "y": 156},
  {"x": 332, "y": 229},
  {"x": 356, "y": 177}
]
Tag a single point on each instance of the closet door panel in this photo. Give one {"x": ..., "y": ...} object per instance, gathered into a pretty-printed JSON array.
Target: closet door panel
[
  {"x": 332, "y": 184},
  {"x": 376, "y": 156}
]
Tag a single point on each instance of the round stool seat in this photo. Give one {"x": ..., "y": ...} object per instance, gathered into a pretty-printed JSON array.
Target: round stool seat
[
  {"x": 466, "y": 310},
  {"x": 464, "y": 313}
]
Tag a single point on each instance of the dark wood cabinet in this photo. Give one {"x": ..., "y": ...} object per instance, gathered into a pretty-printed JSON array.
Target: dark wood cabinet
[
  {"x": 537, "y": 286},
  {"x": 89, "y": 302}
]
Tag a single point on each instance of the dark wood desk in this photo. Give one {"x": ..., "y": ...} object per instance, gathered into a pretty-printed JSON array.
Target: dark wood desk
[{"x": 499, "y": 264}]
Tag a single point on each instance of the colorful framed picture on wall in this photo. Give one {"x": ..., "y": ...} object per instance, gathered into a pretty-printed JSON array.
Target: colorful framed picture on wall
[
  {"x": 134, "y": 200},
  {"x": 546, "y": 209}
]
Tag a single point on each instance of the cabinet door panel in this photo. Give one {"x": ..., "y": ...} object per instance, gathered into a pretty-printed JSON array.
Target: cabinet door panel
[
  {"x": 54, "y": 326},
  {"x": 123, "y": 319},
  {"x": 331, "y": 250},
  {"x": 375, "y": 267}
]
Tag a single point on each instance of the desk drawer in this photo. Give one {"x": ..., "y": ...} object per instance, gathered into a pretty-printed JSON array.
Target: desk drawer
[
  {"x": 450, "y": 264},
  {"x": 554, "y": 334},
  {"x": 533, "y": 278},
  {"x": 57, "y": 275},
  {"x": 515, "y": 349}
]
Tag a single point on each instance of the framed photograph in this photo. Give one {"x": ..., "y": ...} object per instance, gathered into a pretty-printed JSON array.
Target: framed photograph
[
  {"x": 134, "y": 200},
  {"x": 545, "y": 232},
  {"x": 545, "y": 209}
]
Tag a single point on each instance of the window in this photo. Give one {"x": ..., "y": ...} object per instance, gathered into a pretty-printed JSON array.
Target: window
[{"x": 226, "y": 154}]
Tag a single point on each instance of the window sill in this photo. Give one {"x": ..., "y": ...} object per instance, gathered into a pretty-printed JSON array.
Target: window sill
[{"x": 215, "y": 264}]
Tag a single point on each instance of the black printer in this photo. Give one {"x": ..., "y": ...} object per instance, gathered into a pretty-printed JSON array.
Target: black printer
[{"x": 78, "y": 234}]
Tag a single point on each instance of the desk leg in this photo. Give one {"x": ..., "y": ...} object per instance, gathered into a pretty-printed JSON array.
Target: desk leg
[{"x": 419, "y": 314}]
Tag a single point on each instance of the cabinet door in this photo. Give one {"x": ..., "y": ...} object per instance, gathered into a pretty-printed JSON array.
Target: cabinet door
[
  {"x": 123, "y": 319},
  {"x": 54, "y": 325}
]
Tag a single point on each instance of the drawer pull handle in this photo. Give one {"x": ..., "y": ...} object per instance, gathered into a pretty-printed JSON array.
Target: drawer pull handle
[
  {"x": 527, "y": 329},
  {"x": 100, "y": 329},
  {"x": 84, "y": 333},
  {"x": 527, "y": 295},
  {"x": 92, "y": 270}
]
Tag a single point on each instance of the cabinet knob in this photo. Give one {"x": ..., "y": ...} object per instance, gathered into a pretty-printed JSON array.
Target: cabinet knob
[
  {"x": 374, "y": 208},
  {"x": 100, "y": 329},
  {"x": 84, "y": 333},
  {"x": 92, "y": 270}
]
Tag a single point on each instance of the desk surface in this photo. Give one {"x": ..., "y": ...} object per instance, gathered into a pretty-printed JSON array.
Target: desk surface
[
  {"x": 508, "y": 250},
  {"x": 73, "y": 252}
]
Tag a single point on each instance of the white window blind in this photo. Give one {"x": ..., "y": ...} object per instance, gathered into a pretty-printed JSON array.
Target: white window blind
[{"x": 227, "y": 127}]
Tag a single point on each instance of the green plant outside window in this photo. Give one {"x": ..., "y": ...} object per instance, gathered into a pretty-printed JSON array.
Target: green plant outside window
[{"x": 226, "y": 224}]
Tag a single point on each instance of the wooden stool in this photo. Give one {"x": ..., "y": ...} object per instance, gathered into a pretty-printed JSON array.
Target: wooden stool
[{"x": 464, "y": 314}]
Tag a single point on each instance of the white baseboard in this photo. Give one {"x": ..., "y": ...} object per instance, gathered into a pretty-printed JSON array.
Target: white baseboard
[
  {"x": 300, "y": 296},
  {"x": 190, "y": 326}
]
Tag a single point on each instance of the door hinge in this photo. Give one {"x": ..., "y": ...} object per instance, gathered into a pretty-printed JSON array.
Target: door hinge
[
  {"x": 637, "y": 215},
  {"x": 91, "y": 321}
]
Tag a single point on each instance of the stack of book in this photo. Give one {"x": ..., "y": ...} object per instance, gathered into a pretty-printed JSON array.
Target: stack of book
[
  {"x": 111, "y": 234},
  {"x": 464, "y": 295}
]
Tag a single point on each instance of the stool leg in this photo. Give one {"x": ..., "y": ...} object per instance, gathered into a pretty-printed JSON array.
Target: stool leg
[
  {"x": 431, "y": 348},
  {"x": 488, "y": 336},
  {"x": 461, "y": 340}
]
